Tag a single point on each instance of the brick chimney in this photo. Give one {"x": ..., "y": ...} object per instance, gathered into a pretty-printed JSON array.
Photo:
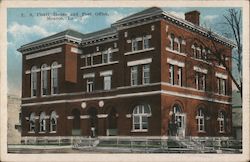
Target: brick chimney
[{"x": 193, "y": 17}]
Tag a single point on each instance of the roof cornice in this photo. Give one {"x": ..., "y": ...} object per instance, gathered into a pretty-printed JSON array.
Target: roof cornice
[
  {"x": 173, "y": 19},
  {"x": 49, "y": 42}
]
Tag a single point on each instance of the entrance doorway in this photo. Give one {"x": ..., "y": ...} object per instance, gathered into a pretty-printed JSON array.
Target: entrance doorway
[
  {"x": 179, "y": 120},
  {"x": 93, "y": 122},
  {"x": 112, "y": 123},
  {"x": 76, "y": 131}
]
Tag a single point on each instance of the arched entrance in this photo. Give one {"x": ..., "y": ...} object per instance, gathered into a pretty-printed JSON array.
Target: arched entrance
[
  {"x": 179, "y": 120},
  {"x": 76, "y": 129},
  {"x": 112, "y": 123},
  {"x": 93, "y": 121}
]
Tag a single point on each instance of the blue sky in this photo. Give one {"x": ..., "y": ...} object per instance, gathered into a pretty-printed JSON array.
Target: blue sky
[{"x": 28, "y": 24}]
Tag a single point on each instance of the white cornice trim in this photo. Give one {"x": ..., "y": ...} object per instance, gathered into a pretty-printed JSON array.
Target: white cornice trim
[
  {"x": 76, "y": 50},
  {"x": 89, "y": 75},
  {"x": 102, "y": 115},
  {"x": 175, "y": 62},
  {"x": 105, "y": 73},
  {"x": 201, "y": 70},
  {"x": 221, "y": 75},
  {"x": 184, "y": 95},
  {"x": 84, "y": 117},
  {"x": 139, "y": 62},
  {"x": 97, "y": 65},
  {"x": 139, "y": 51},
  {"x": 44, "y": 53}
]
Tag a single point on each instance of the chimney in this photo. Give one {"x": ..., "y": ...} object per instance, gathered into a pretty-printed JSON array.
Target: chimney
[{"x": 193, "y": 17}]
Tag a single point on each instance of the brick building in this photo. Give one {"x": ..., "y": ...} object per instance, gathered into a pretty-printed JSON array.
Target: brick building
[{"x": 147, "y": 75}]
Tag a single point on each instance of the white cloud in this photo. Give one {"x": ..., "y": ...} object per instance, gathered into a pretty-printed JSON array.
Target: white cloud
[
  {"x": 210, "y": 17},
  {"x": 21, "y": 32},
  {"x": 178, "y": 14},
  {"x": 114, "y": 16}
]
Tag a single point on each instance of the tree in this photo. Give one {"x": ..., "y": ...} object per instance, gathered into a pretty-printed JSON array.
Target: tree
[
  {"x": 233, "y": 24},
  {"x": 233, "y": 21}
]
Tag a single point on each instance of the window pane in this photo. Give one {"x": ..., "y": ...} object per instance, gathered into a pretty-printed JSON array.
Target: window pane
[
  {"x": 136, "y": 126},
  {"x": 136, "y": 119},
  {"x": 145, "y": 126},
  {"x": 144, "y": 119}
]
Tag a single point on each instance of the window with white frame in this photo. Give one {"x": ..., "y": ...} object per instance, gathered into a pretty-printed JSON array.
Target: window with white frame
[
  {"x": 221, "y": 86},
  {"x": 42, "y": 122},
  {"x": 221, "y": 120},
  {"x": 44, "y": 79},
  {"x": 200, "y": 120},
  {"x": 53, "y": 121},
  {"x": 172, "y": 41},
  {"x": 146, "y": 74},
  {"x": 90, "y": 85},
  {"x": 88, "y": 60},
  {"x": 171, "y": 74},
  {"x": 54, "y": 78},
  {"x": 179, "y": 44},
  {"x": 107, "y": 82},
  {"x": 179, "y": 76},
  {"x": 200, "y": 81},
  {"x": 107, "y": 56},
  {"x": 198, "y": 52},
  {"x": 145, "y": 42},
  {"x": 32, "y": 120},
  {"x": 134, "y": 75},
  {"x": 33, "y": 81},
  {"x": 134, "y": 44},
  {"x": 194, "y": 50},
  {"x": 140, "y": 117}
]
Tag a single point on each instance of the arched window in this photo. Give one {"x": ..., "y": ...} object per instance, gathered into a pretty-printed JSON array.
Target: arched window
[
  {"x": 107, "y": 56},
  {"x": 172, "y": 41},
  {"x": 221, "y": 120},
  {"x": 53, "y": 121},
  {"x": 140, "y": 117},
  {"x": 198, "y": 52},
  {"x": 200, "y": 120},
  {"x": 54, "y": 78},
  {"x": 42, "y": 122},
  {"x": 194, "y": 50},
  {"x": 179, "y": 40},
  {"x": 33, "y": 81},
  {"x": 32, "y": 122},
  {"x": 44, "y": 79},
  {"x": 177, "y": 114}
]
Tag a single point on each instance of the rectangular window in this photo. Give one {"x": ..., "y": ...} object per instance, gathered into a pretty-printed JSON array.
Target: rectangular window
[
  {"x": 200, "y": 81},
  {"x": 33, "y": 84},
  {"x": 134, "y": 75},
  {"x": 105, "y": 57},
  {"x": 54, "y": 79},
  {"x": 171, "y": 74},
  {"x": 89, "y": 61},
  {"x": 179, "y": 76},
  {"x": 145, "y": 42},
  {"x": 44, "y": 81},
  {"x": 146, "y": 74},
  {"x": 221, "y": 86},
  {"x": 134, "y": 45},
  {"x": 90, "y": 85},
  {"x": 107, "y": 82},
  {"x": 203, "y": 82}
]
